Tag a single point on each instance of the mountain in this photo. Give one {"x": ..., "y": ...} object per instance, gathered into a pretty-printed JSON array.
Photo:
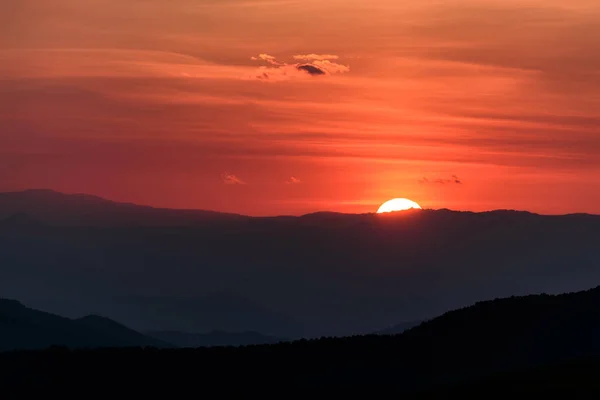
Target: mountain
[
  {"x": 322, "y": 274},
  {"x": 119, "y": 333},
  {"x": 214, "y": 338},
  {"x": 398, "y": 328},
  {"x": 215, "y": 311},
  {"x": 511, "y": 345},
  {"x": 56, "y": 208},
  {"x": 23, "y": 328},
  {"x": 509, "y": 333}
]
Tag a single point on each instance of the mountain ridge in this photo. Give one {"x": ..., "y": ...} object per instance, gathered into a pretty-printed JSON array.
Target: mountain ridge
[
  {"x": 24, "y": 328},
  {"x": 325, "y": 274},
  {"x": 50, "y": 194}
]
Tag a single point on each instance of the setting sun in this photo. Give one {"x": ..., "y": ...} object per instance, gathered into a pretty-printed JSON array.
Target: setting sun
[{"x": 397, "y": 205}]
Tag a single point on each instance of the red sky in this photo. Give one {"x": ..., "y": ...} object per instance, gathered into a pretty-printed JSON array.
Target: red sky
[{"x": 201, "y": 104}]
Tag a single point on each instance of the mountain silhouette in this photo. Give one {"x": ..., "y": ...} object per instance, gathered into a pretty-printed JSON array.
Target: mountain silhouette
[
  {"x": 398, "y": 328},
  {"x": 516, "y": 332},
  {"x": 86, "y": 210},
  {"x": 23, "y": 328},
  {"x": 216, "y": 311},
  {"x": 214, "y": 338},
  {"x": 530, "y": 343},
  {"x": 322, "y": 274}
]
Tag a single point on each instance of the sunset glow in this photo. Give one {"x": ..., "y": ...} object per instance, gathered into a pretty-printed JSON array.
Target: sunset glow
[{"x": 288, "y": 107}]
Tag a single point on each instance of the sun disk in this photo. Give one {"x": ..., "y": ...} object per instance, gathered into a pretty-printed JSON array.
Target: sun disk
[{"x": 400, "y": 204}]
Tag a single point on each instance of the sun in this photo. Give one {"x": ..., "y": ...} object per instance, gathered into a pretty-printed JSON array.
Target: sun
[{"x": 397, "y": 205}]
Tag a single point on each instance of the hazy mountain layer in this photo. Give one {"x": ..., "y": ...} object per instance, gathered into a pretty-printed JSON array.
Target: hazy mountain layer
[{"x": 319, "y": 274}]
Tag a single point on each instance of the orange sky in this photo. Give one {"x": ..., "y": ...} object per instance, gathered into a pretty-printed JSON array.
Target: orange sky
[{"x": 201, "y": 104}]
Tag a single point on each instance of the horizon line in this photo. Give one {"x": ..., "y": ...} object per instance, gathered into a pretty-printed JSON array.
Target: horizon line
[{"x": 286, "y": 215}]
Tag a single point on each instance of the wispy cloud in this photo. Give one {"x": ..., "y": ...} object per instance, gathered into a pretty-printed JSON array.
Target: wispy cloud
[
  {"x": 442, "y": 181},
  {"x": 293, "y": 181},
  {"x": 230, "y": 179},
  {"x": 315, "y": 57},
  {"x": 268, "y": 59}
]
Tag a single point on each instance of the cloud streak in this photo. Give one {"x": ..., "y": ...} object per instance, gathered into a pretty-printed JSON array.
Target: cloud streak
[
  {"x": 269, "y": 59},
  {"x": 230, "y": 179},
  {"x": 293, "y": 181},
  {"x": 315, "y": 57},
  {"x": 442, "y": 181}
]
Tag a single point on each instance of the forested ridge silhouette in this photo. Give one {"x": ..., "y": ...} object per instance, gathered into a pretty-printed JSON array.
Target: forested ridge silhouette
[{"x": 531, "y": 342}]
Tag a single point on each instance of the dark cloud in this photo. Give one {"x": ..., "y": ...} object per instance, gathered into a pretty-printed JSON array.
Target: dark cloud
[
  {"x": 310, "y": 69},
  {"x": 440, "y": 181}
]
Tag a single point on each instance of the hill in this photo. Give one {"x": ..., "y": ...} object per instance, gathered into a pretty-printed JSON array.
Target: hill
[
  {"x": 503, "y": 334},
  {"x": 398, "y": 328},
  {"x": 320, "y": 274},
  {"x": 531, "y": 343},
  {"x": 214, "y": 338},
  {"x": 26, "y": 328}
]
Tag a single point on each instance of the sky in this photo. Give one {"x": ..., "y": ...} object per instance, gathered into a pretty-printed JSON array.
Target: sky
[{"x": 269, "y": 107}]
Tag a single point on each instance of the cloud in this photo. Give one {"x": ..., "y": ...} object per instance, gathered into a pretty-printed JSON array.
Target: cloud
[
  {"x": 311, "y": 69},
  {"x": 453, "y": 179},
  {"x": 293, "y": 181},
  {"x": 312, "y": 65},
  {"x": 315, "y": 57},
  {"x": 331, "y": 67},
  {"x": 267, "y": 58},
  {"x": 230, "y": 179}
]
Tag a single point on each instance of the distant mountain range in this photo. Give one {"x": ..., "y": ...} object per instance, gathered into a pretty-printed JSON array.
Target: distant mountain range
[
  {"x": 23, "y": 328},
  {"x": 85, "y": 210},
  {"x": 319, "y": 274},
  {"x": 214, "y": 312}
]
